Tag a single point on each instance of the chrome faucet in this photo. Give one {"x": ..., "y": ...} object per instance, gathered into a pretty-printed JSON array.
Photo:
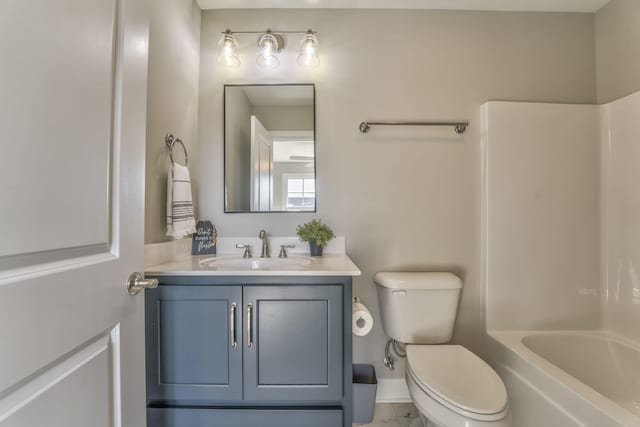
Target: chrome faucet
[{"x": 265, "y": 244}]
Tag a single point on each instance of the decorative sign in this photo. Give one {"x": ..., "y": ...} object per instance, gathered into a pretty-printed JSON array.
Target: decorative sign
[{"x": 204, "y": 240}]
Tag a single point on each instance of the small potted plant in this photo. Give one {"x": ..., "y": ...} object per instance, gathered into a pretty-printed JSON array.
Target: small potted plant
[{"x": 317, "y": 234}]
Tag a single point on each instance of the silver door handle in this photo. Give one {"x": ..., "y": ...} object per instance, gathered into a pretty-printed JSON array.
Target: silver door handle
[
  {"x": 234, "y": 342},
  {"x": 249, "y": 331},
  {"x": 137, "y": 282}
]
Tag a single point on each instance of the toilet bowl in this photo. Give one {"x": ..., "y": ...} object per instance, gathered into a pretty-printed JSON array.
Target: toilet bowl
[{"x": 450, "y": 386}]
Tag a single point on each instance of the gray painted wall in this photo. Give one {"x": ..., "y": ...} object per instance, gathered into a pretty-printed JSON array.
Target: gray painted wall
[
  {"x": 405, "y": 198},
  {"x": 618, "y": 49},
  {"x": 285, "y": 118},
  {"x": 238, "y": 129},
  {"x": 172, "y": 101}
]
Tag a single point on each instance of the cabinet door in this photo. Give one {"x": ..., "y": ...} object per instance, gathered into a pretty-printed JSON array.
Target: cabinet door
[
  {"x": 293, "y": 347},
  {"x": 191, "y": 356}
]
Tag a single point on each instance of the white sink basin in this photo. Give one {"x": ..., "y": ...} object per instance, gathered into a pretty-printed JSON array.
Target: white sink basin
[{"x": 239, "y": 263}]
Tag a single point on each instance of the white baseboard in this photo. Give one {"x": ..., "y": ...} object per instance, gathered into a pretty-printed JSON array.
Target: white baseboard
[{"x": 392, "y": 390}]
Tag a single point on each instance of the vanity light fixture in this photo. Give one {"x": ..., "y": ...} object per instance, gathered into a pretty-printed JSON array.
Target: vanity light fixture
[
  {"x": 270, "y": 44},
  {"x": 229, "y": 50},
  {"x": 309, "y": 50}
]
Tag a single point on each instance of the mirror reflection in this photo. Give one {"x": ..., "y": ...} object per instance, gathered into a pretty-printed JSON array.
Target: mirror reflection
[{"x": 269, "y": 145}]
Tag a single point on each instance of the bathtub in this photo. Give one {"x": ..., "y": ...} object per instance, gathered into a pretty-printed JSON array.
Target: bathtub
[{"x": 589, "y": 378}]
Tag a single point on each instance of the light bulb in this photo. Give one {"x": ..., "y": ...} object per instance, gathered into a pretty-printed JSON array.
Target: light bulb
[
  {"x": 268, "y": 45},
  {"x": 309, "y": 50},
  {"x": 229, "y": 51}
]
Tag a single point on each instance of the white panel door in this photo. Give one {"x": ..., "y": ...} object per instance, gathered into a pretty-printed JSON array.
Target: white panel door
[
  {"x": 261, "y": 167},
  {"x": 73, "y": 80}
]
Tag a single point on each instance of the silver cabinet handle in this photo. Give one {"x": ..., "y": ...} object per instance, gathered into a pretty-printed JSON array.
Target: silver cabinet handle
[
  {"x": 249, "y": 331},
  {"x": 234, "y": 342},
  {"x": 137, "y": 282}
]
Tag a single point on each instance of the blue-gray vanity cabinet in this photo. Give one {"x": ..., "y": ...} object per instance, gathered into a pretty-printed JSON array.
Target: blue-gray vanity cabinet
[
  {"x": 205, "y": 417},
  {"x": 191, "y": 354},
  {"x": 290, "y": 367},
  {"x": 293, "y": 347}
]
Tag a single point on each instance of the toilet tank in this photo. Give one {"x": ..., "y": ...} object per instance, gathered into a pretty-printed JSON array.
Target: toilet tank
[{"x": 418, "y": 308}]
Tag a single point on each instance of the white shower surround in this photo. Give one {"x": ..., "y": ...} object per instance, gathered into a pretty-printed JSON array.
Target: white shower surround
[{"x": 576, "y": 267}]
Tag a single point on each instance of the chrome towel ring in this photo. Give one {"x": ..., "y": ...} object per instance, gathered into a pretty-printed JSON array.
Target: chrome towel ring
[
  {"x": 171, "y": 142},
  {"x": 186, "y": 156}
]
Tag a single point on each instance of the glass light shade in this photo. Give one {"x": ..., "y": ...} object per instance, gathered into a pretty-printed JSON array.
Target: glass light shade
[
  {"x": 309, "y": 51},
  {"x": 228, "y": 51},
  {"x": 268, "y": 45}
]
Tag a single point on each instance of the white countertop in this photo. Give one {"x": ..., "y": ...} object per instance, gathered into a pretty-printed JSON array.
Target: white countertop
[{"x": 330, "y": 264}]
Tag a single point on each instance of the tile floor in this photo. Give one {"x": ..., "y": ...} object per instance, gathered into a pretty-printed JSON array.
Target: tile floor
[{"x": 392, "y": 415}]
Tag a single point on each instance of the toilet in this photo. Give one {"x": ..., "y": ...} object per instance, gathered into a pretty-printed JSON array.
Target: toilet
[{"x": 450, "y": 386}]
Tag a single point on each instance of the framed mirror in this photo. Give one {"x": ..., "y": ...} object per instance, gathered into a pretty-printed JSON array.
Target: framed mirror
[{"x": 269, "y": 148}]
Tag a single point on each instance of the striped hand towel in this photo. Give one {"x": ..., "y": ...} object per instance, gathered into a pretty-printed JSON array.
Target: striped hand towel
[{"x": 180, "y": 219}]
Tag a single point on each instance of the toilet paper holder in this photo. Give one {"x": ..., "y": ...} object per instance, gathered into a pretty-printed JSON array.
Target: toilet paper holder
[{"x": 362, "y": 321}]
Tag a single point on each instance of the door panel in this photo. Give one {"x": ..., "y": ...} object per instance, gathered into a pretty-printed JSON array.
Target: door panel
[
  {"x": 297, "y": 331},
  {"x": 191, "y": 334},
  {"x": 73, "y": 85},
  {"x": 46, "y": 196},
  {"x": 51, "y": 396},
  {"x": 310, "y": 335},
  {"x": 262, "y": 166},
  {"x": 190, "y": 343}
]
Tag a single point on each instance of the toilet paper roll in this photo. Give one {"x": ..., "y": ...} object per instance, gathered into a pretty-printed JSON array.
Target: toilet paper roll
[{"x": 361, "y": 319}]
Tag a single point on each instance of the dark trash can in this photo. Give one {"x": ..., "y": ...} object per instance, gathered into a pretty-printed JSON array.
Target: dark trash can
[{"x": 365, "y": 385}]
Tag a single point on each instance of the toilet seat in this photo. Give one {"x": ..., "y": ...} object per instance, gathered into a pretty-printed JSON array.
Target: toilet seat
[{"x": 459, "y": 380}]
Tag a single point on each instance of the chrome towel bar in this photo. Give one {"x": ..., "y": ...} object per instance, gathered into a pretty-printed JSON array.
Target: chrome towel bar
[{"x": 459, "y": 127}]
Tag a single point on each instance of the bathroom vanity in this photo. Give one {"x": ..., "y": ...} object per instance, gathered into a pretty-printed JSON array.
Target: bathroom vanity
[{"x": 236, "y": 342}]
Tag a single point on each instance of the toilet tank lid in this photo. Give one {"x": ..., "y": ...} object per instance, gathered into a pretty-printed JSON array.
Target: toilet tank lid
[{"x": 418, "y": 280}]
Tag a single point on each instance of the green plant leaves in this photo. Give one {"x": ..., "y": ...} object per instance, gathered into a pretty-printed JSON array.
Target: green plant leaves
[{"x": 315, "y": 231}]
